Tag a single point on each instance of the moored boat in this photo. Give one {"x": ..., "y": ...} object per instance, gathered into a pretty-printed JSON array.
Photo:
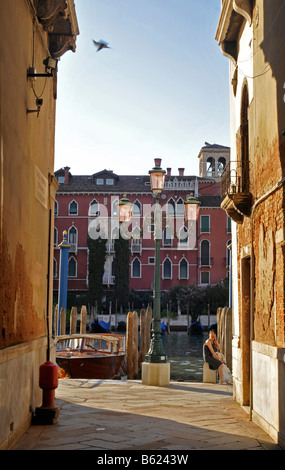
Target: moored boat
[
  {"x": 100, "y": 326},
  {"x": 91, "y": 356},
  {"x": 196, "y": 328}
]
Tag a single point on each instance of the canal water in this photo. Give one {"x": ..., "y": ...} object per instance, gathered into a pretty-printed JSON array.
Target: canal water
[{"x": 185, "y": 355}]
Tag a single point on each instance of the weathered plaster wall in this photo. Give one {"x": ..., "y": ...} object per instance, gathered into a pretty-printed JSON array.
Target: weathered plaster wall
[
  {"x": 20, "y": 320},
  {"x": 261, "y": 65},
  {"x": 26, "y": 162},
  {"x": 26, "y": 159},
  {"x": 269, "y": 272},
  {"x": 267, "y": 116}
]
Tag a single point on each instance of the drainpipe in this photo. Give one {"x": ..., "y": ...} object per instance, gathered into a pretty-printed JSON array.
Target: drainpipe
[
  {"x": 230, "y": 277},
  {"x": 262, "y": 198},
  {"x": 48, "y": 286}
]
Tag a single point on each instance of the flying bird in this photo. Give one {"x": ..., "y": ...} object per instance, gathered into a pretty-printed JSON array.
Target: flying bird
[{"x": 101, "y": 44}]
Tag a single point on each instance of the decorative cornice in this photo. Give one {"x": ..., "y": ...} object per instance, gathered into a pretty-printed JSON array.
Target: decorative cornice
[
  {"x": 49, "y": 10},
  {"x": 244, "y": 8},
  {"x": 233, "y": 14},
  {"x": 58, "y": 18}
]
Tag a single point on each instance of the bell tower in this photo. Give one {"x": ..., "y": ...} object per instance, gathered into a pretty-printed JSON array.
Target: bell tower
[{"x": 213, "y": 159}]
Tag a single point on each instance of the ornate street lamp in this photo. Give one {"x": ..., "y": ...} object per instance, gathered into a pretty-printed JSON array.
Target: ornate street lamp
[
  {"x": 156, "y": 353},
  {"x": 157, "y": 177},
  {"x": 191, "y": 206},
  {"x": 125, "y": 209},
  {"x": 155, "y": 369}
]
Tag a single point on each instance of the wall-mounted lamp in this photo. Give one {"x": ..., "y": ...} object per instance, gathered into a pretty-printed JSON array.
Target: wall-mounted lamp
[
  {"x": 39, "y": 103},
  {"x": 50, "y": 66}
]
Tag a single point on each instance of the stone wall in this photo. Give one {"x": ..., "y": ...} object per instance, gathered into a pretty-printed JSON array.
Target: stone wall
[{"x": 224, "y": 333}]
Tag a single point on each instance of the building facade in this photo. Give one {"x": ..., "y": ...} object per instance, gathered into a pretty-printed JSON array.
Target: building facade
[
  {"x": 30, "y": 32},
  {"x": 198, "y": 257},
  {"x": 251, "y": 34}
]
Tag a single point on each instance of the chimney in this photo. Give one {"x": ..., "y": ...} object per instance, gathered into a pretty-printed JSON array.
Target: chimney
[
  {"x": 66, "y": 174},
  {"x": 181, "y": 171},
  {"x": 168, "y": 171}
]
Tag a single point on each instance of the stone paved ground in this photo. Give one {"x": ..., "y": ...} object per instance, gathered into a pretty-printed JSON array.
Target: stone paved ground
[{"x": 116, "y": 415}]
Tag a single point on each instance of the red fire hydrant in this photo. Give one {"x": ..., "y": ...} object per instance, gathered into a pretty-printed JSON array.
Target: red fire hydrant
[{"x": 48, "y": 382}]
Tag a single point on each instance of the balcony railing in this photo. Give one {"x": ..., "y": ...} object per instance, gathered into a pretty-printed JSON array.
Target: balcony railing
[
  {"x": 206, "y": 261},
  {"x": 108, "y": 280},
  {"x": 73, "y": 247},
  {"x": 236, "y": 198},
  {"x": 235, "y": 178},
  {"x": 136, "y": 246},
  {"x": 110, "y": 247}
]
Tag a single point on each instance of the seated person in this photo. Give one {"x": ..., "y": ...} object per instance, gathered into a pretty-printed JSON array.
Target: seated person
[{"x": 210, "y": 348}]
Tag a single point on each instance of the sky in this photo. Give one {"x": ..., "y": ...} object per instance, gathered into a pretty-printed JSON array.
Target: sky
[{"x": 161, "y": 90}]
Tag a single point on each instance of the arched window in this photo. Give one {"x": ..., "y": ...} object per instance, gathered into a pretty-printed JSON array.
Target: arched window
[
  {"x": 136, "y": 208},
  {"x": 73, "y": 208},
  {"x": 55, "y": 236},
  {"x": 210, "y": 166},
  {"x": 94, "y": 208},
  {"x": 72, "y": 267},
  {"x": 221, "y": 165},
  {"x": 136, "y": 244},
  {"x": 167, "y": 236},
  {"x": 205, "y": 253},
  {"x": 183, "y": 269},
  {"x": 72, "y": 235},
  {"x": 180, "y": 207},
  {"x": 54, "y": 268},
  {"x": 171, "y": 207},
  {"x": 167, "y": 269},
  {"x": 183, "y": 235},
  {"x": 136, "y": 268},
  {"x": 115, "y": 204}
]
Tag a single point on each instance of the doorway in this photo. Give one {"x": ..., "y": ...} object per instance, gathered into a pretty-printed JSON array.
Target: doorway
[{"x": 245, "y": 330}]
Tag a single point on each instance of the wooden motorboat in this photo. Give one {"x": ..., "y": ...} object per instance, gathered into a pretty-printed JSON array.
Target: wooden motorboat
[{"x": 91, "y": 356}]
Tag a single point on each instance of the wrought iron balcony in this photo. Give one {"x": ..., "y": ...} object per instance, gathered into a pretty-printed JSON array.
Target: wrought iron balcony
[
  {"x": 206, "y": 261},
  {"x": 73, "y": 247},
  {"x": 110, "y": 247},
  {"x": 108, "y": 280},
  {"x": 236, "y": 198},
  {"x": 136, "y": 246}
]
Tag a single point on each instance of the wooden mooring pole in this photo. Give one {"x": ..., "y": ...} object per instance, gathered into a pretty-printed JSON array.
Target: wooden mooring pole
[
  {"x": 83, "y": 320},
  {"x": 145, "y": 331},
  {"x": 73, "y": 320},
  {"x": 132, "y": 345}
]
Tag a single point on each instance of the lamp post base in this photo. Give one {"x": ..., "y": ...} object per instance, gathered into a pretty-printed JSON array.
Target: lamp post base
[{"x": 156, "y": 373}]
